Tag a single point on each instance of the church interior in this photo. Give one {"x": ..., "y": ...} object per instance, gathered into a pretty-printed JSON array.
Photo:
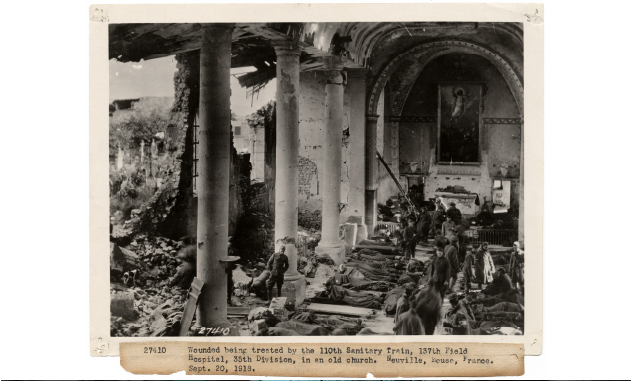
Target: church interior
[{"x": 381, "y": 192}]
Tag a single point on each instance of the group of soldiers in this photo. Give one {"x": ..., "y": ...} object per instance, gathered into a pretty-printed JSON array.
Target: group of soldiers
[
  {"x": 449, "y": 229},
  {"x": 262, "y": 284},
  {"x": 502, "y": 289},
  {"x": 443, "y": 221}
]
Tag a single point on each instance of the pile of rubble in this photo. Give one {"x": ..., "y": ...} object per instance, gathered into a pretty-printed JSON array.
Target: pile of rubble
[
  {"x": 150, "y": 312},
  {"x": 143, "y": 303},
  {"x": 146, "y": 300}
]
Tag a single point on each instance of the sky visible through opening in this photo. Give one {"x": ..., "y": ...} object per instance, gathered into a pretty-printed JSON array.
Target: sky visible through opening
[{"x": 154, "y": 78}]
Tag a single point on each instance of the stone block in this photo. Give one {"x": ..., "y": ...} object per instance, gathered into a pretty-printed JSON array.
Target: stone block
[
  {"x": 122, "y": 304},
  {"x": 278, "y": 304},
  {"x": 362, "y": 233},
  {"x": 117, "y": 260},
  {"x": 295, "y": 290},
  {"x": 350, "y": 233},
  {"x": 257, "y": 325}
]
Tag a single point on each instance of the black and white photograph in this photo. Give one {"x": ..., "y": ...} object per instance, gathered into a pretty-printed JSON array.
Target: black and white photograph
[
  {"x": 316, "y": 179},
  {"x": 315, "y": 190},
  {"x": 296, "y": 190}
]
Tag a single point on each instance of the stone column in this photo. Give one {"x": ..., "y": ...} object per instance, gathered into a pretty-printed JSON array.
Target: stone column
[
  {"x": 372, "y": 174},
  {"x": 286, "y": 182},
  {"x": 357, "y": 160},
  {"x": 214, "y": 173},
  {"x": 332, "y": 168}
]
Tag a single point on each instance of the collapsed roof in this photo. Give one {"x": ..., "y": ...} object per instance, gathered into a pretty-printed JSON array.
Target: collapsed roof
[{"x": 361, "y": 43}]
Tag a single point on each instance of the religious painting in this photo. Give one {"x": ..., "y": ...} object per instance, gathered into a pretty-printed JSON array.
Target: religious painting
[{"x": 459, "y": 109}]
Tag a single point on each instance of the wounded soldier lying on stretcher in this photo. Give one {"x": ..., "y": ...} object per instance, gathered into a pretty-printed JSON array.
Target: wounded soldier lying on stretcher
[{"x": 353, "y": 298}]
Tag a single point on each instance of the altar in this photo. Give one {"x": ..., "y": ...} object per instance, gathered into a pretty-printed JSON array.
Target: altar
[{"x": 464, "y": 202}]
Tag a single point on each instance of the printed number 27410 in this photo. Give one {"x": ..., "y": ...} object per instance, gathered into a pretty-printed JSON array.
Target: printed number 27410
[{"x": 150, "y": 350}]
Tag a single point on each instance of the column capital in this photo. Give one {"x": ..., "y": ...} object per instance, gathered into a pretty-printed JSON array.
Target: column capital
[
  {"x": 286, "y": 48},
  {"x": 393, "y": 118},
  {"x": 372, "y": 118}
]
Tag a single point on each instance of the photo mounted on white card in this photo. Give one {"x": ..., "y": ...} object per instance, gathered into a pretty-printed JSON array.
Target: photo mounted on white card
[{"x": 373, "y": 178}]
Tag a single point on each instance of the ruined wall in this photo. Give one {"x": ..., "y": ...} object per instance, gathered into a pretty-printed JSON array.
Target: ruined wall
[
  {"x": 308, "y": 188},
  {"x": 257, "y": 150},
  {"x": 499, "y": 137},
  {"x": 238, "y": 198},
  {"x": 258, "y": 198},
  {"x": 312, "y": 124},
  {"x": 239, "y": 183},
  {"x": 308, "y": 181},
  {"x": 167, "y": 212},
  {"x": 172, "y": 211}
]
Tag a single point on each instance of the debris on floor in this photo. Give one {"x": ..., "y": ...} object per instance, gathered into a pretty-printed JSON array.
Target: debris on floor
[{"x": 363, "y": 296}]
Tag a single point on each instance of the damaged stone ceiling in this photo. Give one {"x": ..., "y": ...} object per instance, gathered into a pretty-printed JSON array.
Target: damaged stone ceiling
[{"x": 363, "y": 45}]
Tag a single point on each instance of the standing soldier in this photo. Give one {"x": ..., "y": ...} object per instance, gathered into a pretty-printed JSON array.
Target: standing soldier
[
  {"x": 451, "y": 253},
  {"x": 409, "y": 322},
  {"x": 440, "y": 269},
  {"x": 409, "y": 243},
  {"x": 454, "y": 213},
  {"x": 277, "y": 264},
  {"x": 461, "y": 234},
  {"x": 448, "y": 227},
  {"x": 467, "y": 270},
  {"x": 438, "y": 217},
  {"x": 424, "y": 223},
  {"x": 484, "y": 266}
]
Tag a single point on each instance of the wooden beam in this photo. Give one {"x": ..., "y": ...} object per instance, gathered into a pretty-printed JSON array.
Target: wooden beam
[
  {"x": 265, "y": 31},
  {"x": 340, "y": 310}
]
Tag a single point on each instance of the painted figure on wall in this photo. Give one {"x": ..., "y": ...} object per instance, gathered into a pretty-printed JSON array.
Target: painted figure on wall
[{"x": 459, "y": 102}]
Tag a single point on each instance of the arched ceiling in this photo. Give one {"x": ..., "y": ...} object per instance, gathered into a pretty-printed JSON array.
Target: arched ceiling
[
  {"x": 403, "y": 70},
  {"x": 398, "y": 52}
]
